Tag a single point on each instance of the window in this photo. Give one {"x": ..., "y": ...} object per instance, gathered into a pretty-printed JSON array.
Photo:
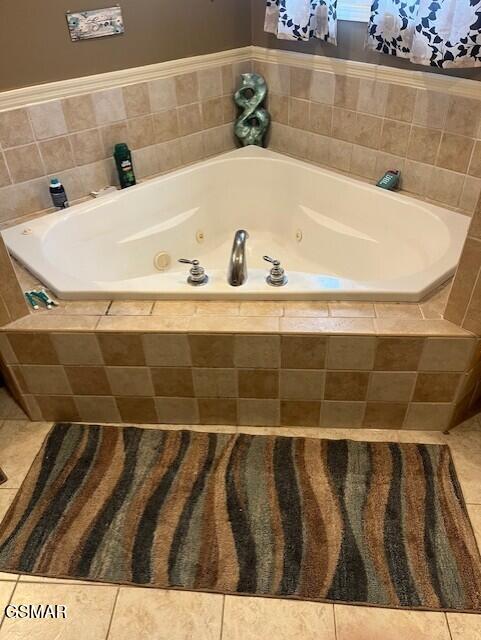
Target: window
[{"x": 355, "y": 10}]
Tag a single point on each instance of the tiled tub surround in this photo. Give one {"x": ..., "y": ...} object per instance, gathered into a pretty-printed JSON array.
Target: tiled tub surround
[
  {"x": 259, "y": 371},
  {"x": 363, "y": 127},
  {"x": 168, "y": 123}
]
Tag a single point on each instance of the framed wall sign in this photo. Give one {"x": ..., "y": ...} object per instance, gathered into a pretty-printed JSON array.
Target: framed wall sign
[{"x": 95, "y": 23}]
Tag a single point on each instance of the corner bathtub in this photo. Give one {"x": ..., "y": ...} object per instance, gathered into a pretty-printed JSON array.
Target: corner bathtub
[{"x": 336, "y": 237}]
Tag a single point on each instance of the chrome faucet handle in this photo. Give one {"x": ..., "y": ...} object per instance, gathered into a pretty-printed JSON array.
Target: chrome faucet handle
[
  {"x": 277, "y": 276},
  {"x": 197, "y": 275}
]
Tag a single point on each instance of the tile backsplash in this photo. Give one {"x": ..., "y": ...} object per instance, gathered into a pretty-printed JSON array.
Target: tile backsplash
[
  {"x": 363, "y": 127},
  {"x": 167, "y": 123}
]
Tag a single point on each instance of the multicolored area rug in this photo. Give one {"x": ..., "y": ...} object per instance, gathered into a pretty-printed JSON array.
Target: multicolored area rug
[{"x": 332, "y": 520}]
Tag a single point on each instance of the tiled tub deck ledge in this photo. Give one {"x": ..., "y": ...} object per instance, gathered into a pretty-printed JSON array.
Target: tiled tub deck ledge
[{"x": 405, "y": 373}]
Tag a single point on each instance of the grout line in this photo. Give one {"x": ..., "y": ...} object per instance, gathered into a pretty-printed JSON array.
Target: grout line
[
  {"x": 223, "y": 612},
  {"x": 447, "y": 624},
  {"x": 112, "y": 613},
  {"x": 335, "y": 621},
  {"x": 9, "y": 601}
]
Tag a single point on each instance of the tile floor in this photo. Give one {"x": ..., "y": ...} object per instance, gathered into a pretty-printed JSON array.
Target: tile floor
[{"x": 98, "y": 612}]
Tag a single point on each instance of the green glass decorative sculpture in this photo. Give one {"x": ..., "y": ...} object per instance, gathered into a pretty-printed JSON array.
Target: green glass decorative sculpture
[{"x": 251, "y": 126}]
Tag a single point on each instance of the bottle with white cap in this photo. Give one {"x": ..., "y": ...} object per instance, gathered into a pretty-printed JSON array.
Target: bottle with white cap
[{"x": 59, "y": 196}]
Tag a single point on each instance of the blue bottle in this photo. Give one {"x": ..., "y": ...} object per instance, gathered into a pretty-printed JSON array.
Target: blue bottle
[{"x": 59, "y": 196}]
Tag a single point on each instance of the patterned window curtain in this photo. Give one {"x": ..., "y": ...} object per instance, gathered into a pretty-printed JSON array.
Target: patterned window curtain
[
  {"x": 439, "y": 33},
  {"x": 302, "y": 19}
]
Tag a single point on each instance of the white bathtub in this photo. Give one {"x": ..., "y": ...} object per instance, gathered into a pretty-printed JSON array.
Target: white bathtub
[{"x": 337, "y": 238}]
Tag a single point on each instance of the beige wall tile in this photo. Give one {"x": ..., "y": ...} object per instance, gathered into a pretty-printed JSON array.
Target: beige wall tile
[
  {"x": 400, "y": 102},
  {"x": 261, "y": 308},
  {"x": 394, "y": 137},
  {"x": 131, "y": 307},
  {"x": 162, "y": 94},
  {"x": 58, "y": 408},
  {"x": 342, "y": 414},
  {"x": 372, "y": 97},
  {"x": 94, "y": 176},
  {"x": 184, "y": 614},
  {"x": 212, "y": 113},
  {"x": 97, "y": 409},
  {"x": 298, "y": 113},
  {"x": 258, "y": 383},
  {"x": 416, "y": 177},
  {"x": 423, "y": 144},
  {"x": 88, "y": 381},
  {"x": 398, "y": 354},
  {"x": 391, "y": 386},
  {"x": 301, "y": 384},
  {"x": 464, "y": 281},
  {"x": 463, "y": 116},
  {"x": 210, "y": 83},
  {"x": 344, "y": 125},
  {"x": 436, "y": 416},
  {"x": 177, "y": 410},
  {"x": 397, "y": 310},
  {"x": 470, "y": 194},
  {"x": 318, "y": 150},
  {"x": 368, "y": 130},
  {"x": 384, "y": 415},
  {"x": 306, "y": 309},
  {"x": 368, "y": 623},
  {"x": 254, "y": 411},
  {"x": 216, "y": 308},
  {"x": 323, "y": 87},
  {"x": 215, "y": 383},
  {"x": 137, "y": 410},
  {"x": 301, "y": 80},
  {"x": 257, "y": 351},
  {"x": 436, "y": 387},
  {"x": 111, "y": 135},
  {"x": 300, "y": 413},
  {"x": 166, "y": 126},
  {"x": 87, "y": 146},
  {"x": 218, "y": 140},
  {"x": 109, "y": 106},
  {"x": 187, "y": 88},
  {"x": 15, "y": 128},
  {"x": 446, "y": 354},
  {"x": 122, "y": 349},
  {"x": 303, "y": 352},
  {"x": 212, "y": 350},
  {"x": 431, "y": 108},
  {"x": 173, "y": 381},
  {"x": 130, "y": 381},
  {"x": 79, "y": 112},
  {"x": 33, "y": 348},
  {"x": 146, "y": 162},
  {"x": 363, "y": 162},
  {"x": 228, "y": 83},
  {"x": 57, "y": 154},
  {"x": 387, "y": 161},
  {"x": 339, "y": 155},
  {"x": 47, "y": 119},
  {"x": 320, "y": 118},
  {"x": 351, "y": 352},
  {"x": 281, "y": 619},
  {"x": 455, "y": 152},
  {"x": 475, "y": 164},
  {"x": 174, "y": 308},
  {"x": 24, "y": 163},
  {"x": 44, "y": 379},
  {"x": 346, "y": 92},
  {"x": 351, "y": 309},
  {"x": 136, "y": 99},
  {"x": 346, "y": 385},
  {"x": 141, "y": 131},
  {"x": 190, "y": 119},
  {"x": 445, "y": 186},
  {"x": 217, "y": 410},
  {"x": 279, "y": 108},
  {"x": 4, "y": 175}
]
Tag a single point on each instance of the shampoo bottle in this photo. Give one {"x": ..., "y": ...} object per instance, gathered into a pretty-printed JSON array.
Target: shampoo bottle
[
  {"x": 59, "y": 196},
  {"x": 123, "y": 160}
]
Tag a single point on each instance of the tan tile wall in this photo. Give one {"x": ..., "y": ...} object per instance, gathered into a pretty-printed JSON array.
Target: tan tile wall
[
  {"x": 464, "y": 303},
  {"x": 12, "y": 303},
  {"x": 364, "y": 127},
  {"x": 228, "y": 378},
  {"x": 167, "y": 123}
]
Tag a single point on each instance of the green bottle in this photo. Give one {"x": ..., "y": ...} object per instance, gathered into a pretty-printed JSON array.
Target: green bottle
[{"x": 125, "y": 169}]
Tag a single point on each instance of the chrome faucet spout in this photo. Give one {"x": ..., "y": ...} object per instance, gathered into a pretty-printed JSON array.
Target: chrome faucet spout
[{"x": 237, "y": 272}]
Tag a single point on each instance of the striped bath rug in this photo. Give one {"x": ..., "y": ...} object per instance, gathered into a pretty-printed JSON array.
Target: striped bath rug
[
  {"x": 3, "y": 477},
  {"x": 332, "y": 520}
]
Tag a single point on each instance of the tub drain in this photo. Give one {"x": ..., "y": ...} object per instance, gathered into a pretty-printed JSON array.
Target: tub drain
[{"x": 162, "y": 261}]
